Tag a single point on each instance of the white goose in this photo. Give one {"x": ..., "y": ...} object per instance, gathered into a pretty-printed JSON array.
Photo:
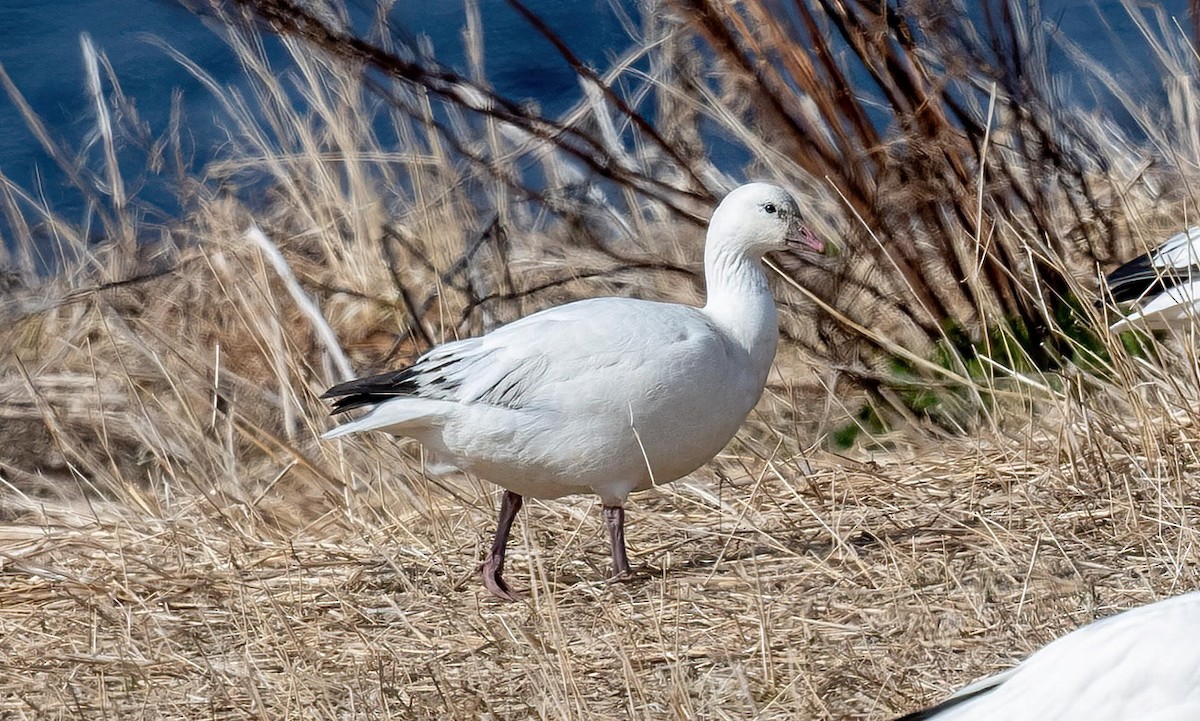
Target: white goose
[
  {"x": 1163, "y": 285},
  {"x": 604, "y": 396},
  {"x": 1140, "y": 665}
]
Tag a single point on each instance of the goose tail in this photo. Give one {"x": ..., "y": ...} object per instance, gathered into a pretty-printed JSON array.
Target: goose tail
[{"x": 395, "y": 416}]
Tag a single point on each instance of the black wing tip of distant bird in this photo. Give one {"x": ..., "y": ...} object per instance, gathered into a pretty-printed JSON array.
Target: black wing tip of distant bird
[
  {"x": 1140, "y": 278},
  {"x": 1134, "y": 279}
]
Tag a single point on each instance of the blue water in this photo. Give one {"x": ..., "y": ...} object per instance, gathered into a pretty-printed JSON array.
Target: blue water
[{"x": 40, "y": 50}]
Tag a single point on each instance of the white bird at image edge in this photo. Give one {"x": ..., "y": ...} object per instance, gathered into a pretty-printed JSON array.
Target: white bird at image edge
[
  {"x": 1163, "y": 286},
  {"x": 1140, "y": 665}
]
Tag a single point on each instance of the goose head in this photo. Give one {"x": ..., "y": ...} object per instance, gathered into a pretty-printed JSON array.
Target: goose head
[{"x": 758, "y": 218}]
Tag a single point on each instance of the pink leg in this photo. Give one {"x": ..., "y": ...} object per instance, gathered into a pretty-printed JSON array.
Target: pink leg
[
  {"x": 614, "y": 519},
  {"x": 493, "y": 565}
]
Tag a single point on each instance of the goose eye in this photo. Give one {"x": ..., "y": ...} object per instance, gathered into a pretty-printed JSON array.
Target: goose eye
[{"x": 770, "y": 207}]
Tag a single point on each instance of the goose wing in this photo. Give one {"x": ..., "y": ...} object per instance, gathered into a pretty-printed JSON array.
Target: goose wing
[
  {"x": 539, "y": 358},
  {"x": 1173, "y": 263}
]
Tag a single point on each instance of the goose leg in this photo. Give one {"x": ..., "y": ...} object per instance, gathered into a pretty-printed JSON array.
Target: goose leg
[
  {"x": 493, "y": 565},
  {"x": 614, "y": 519}
]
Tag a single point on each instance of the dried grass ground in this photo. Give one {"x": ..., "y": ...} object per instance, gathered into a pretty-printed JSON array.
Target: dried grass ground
[{"x": 857, "y": 590}]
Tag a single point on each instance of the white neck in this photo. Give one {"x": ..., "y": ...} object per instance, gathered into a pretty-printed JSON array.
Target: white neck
[{"x": 739, "y": 302}]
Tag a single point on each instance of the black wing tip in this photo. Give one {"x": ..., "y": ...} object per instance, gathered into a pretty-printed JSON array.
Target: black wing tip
[
  {"x": 341, "y": 405},
  {"x": 341, "y": 389},
  {"x": 1136, "y": 272},
  {"x": 368, "y": 391},
  {"x": 386, "y": 383},
  {"x": 359, "y": 400},
  {"x": 1140, "y": 278},
  {"x": 331, "y": 393}
]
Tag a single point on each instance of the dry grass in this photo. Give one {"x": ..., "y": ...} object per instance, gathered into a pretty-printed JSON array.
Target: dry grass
[
  {"x": 178, "y": 544},
  {"x": 859, "y": 590}
]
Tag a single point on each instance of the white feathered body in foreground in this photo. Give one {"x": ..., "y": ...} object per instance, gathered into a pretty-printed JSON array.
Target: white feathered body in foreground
[
  {"x": 603, "y": 396},
  {"x": 1140, "y": 665},
  {"x": 1163, "y": 285},
  {"x": 598, "y": 396}
]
